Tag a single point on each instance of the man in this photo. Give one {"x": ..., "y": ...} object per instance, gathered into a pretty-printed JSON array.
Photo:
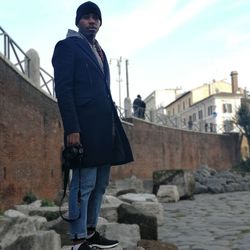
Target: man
[
  {"x": 137, "y": 106},
  {"x": 82, "y": 85},
  {"x": 142, "y": 109}
]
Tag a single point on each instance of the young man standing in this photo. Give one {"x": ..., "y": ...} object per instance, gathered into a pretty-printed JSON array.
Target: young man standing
[
  {"x": 82, "y": 85},
  {"x": 137, "y": 106}
]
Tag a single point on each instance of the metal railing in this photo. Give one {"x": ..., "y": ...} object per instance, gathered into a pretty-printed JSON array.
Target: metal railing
[
  {"x": 11, "y": 51},
  {"x": 48, "y": 83},
  {"x": 158, "y": 117},
  {"x": 14, "y": 53}
]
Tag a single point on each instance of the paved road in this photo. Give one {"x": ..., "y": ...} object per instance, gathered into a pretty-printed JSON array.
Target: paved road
[{"x": 209, "y": 222}]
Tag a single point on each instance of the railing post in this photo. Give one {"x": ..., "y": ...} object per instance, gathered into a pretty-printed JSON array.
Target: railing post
[
  {"x": 32, "y": 66},
  {"x": 152, "y": 114},
  {"x": 6, "y": 46},
  {"x": 127, "y": 106}
]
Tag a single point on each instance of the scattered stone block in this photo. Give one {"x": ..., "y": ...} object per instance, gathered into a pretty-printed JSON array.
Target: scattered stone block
[
  {"x": 152, "y": 209},
  {"x": 62, "y": 228},
  {"x": 148, "y": 224},
  {"x": 127, "y": 235},
  {"x": 21, "y": 233},
  {"x": 159, "y": 245},
  {"x": 168, "y": 193},
  {"x": 183, "y": 179},
  {"x": 140, "y": 197},
  {"x": 40, "y": 240},
  {"x": 109, "y": 212},
  {"x": 130, "y": 183}
]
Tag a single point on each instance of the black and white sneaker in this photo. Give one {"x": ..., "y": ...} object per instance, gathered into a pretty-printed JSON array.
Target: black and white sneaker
[
  {"x": 83, "y": 246},
  {"x": 97, "y": 241}
]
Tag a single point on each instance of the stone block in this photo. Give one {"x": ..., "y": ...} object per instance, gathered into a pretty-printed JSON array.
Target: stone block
[
  {"x": 168, "y": 193},
  {"x": 127, "y": 235},
  {"x": 148, "y": 224},
  {"x": 40, "y": 240},
  {"x": 140, "y": 197},
  {"x": 152, "y": 209},
  {"x": 159, "y": 245},
  {"x": 183, "y": 179}
]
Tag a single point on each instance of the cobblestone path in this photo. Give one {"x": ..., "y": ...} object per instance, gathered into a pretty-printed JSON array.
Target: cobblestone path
[{"x": 209, "y": 222}]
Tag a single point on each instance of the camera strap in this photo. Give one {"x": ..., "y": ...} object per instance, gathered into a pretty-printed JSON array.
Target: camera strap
[{"x": 66, "y": 169}]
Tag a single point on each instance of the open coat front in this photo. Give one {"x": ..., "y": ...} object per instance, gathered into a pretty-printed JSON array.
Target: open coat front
[{"x": 86, "y": 105}]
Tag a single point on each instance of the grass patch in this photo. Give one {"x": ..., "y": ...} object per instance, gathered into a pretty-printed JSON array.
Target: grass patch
[
  {"x": 245, "y": 231},
  {"x": 29, "y": 198},
  {"x": 179, "y": 215},
  {"x": 51, "y": 216},
  {"x": 242, "y": 167},
  {"x": 47, "y": 203}
]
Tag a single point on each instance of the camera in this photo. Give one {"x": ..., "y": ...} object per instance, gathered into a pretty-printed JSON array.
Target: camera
[{"x": 74, "y": 152}]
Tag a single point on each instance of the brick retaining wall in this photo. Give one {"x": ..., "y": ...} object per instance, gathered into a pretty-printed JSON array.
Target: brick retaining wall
[
  {"x": 158, "y": 147},
  {"x": 31, "y": 140}
]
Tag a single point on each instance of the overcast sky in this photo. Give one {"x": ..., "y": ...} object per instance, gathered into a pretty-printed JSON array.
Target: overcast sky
[{"x": 168, "y": 43}]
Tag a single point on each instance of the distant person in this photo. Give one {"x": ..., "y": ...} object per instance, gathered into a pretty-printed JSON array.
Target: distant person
[
  {"x": 142, "y": 110},
  {"x": 90, "y": 120},
  {"x": 137, "y": 106},
  {"x": 190, "y": 124},
  {"x": 206, "y": 127}
]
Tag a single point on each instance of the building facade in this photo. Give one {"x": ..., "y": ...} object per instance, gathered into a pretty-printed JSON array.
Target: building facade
[
  {"x": 208, "y": 108},
  {"x": 214, "y": 114},
  {"x": 157, "y": 101}
]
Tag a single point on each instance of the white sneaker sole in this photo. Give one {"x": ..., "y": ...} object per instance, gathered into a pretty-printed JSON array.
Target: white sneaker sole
[{"x": 96, "y": 246}]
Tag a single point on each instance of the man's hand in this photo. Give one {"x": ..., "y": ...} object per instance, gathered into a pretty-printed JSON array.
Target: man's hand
[{"x": 73, "y": 139}]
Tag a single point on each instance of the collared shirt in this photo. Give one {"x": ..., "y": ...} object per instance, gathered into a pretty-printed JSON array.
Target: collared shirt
[{"x": 99, "y": 59}]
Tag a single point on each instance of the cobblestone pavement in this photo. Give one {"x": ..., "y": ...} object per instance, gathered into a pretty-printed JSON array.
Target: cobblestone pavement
[{"x": 209, "y": 222}]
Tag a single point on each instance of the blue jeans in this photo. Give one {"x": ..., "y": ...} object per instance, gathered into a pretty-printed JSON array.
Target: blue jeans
[{"x": 92, "y": 185}]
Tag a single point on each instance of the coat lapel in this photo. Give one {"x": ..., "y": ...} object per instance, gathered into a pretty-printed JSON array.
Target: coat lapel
[
  {"x": 106, "y": 71},
  {"x": 90, "y": 54}
]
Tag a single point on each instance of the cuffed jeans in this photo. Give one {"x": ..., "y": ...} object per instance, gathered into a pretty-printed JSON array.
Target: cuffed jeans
[{"x": 92, "y": 183}]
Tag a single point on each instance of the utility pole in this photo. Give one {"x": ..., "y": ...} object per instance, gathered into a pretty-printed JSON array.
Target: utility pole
[
  {"x": 119, "y": 79},
  {"x": 127, "y": 81},
  {"x": 127, "y": 101},
  {"x": 118, "y": 63}
]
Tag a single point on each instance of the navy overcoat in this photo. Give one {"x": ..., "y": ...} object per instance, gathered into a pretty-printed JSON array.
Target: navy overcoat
[{"x": 86, "y": 105}]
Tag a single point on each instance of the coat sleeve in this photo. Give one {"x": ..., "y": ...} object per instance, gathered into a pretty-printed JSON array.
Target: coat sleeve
[{"x": 63, "y": 63}]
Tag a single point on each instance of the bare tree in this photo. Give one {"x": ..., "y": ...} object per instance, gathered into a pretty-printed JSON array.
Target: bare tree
[{"x": 243, "y": 120}]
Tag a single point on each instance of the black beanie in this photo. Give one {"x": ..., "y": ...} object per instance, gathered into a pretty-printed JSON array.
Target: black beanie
[{"x": 87, "y": 8}]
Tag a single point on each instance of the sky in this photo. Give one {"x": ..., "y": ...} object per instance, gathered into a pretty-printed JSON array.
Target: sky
[{"x": 168, "y": 43}]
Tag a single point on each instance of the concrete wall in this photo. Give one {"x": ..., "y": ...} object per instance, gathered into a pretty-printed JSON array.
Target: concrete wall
[{"x": 31, "y": 141}]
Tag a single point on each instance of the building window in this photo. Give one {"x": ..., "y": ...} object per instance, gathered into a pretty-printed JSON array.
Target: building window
[
  {"x": 184, "y": 122},
  {"x": 227, "y": 108},
  {"x": 210, "y": 110},
  {"x": 189, "y": 102},
  {"x": 169, "y": 113},
  {"x": 206, "y": 127},
  {"x": 212, "y": 127},
  {"x": 200, "y": 114},
  {"x": 194, "y": 117},
  {"x": 228, "y": 125}
]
